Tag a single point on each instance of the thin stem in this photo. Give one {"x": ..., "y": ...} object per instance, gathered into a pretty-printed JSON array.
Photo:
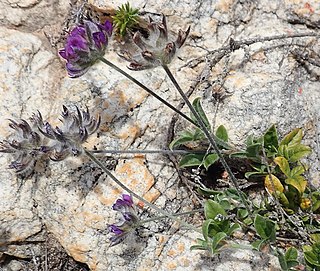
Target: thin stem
[
  {"x": 149, "y": 151},
  {"x": 98, "y": 162},
  {"x": 147, "y": 89},
  {"x": 208, "y": 135},
  {"x": 162, "y": 217}
]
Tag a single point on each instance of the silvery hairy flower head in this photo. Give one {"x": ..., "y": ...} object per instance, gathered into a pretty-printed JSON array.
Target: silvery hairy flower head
[
  {"x": 85, "y": 44},
  {"x": 156, "y": 50},
  {"x": 68, "y": 139},
  {"x": 25, "y": 145},
  {"x": 128, "y": 222}
]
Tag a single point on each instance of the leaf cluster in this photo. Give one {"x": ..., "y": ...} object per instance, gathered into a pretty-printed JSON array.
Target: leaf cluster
[{"x": 125, "y": 18}]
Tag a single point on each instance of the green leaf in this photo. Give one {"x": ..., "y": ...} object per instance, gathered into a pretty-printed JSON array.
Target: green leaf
[
  {"x": 202, "y": 245},
  {"x": 216, "y": 241},
  {"x": 242, "y": 213},
  {"x": 184, "y": 137},
  {"x": 210, "y": 159},
  {"x": 241, "y": 155},
  {"x": 253, "y": 151},
  {"x": 233, "y": 228},
  {"x": 208, "y": 192},
  {"x": 198, "y": 108},
  {"x": 247, "y": 175},
  {"x": 291, "y": 254},
  {"x": 296, "y": 152},
  {"x": 265, "y": 228},
  {"x": 205, "y": 228},
  {"x": 191, "y": 160},
  {"x": 298, "y": 182},
  {"x": 296, "y": 171},
  {"x": 315, "y": 237},
  {"x": 312, "y": 254},
  {"x": 283, "y": 165},
  {"x": 282, "y": 261},
  {"x": 258, "y": 244},
  {"x": 222, "y": 133},
  {"x": 212, "y": 209},
  {"x": 293, "y": 138},
  {"x": 271, "y": 139}
]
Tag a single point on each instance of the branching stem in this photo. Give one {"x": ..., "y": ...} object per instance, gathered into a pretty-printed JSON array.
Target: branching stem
[{"x": 209, "y": 136}]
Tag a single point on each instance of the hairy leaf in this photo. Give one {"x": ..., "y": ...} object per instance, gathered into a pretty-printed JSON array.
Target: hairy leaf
[{"x": 222, "y": 133}]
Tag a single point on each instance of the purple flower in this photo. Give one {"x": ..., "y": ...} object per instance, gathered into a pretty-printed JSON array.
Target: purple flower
[
  {"x": 156, "y": 50},
  {"x": 84, "y": 46},
  {"x": 129, "y": 220}
]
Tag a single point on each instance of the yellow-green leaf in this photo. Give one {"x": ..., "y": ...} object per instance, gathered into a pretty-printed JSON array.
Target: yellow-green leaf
[
  {"x": 296, "y": 152},
  {"x": 273, "y": 184},
  {"x": 294, "y": 137},
  {"x": 283, "y": 165},
  {"x": 298, "y": 183}
]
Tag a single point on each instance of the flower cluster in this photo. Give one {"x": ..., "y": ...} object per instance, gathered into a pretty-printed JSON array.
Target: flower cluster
[
  {"x": 28, "y": 146},
  {"x": 129, "y": 219},
  {"x": 84, "y": 46},
  {"x": 25, "y": 145},
  {"x": 158, "y": 49},
  {"x": 75, "y": 130}
]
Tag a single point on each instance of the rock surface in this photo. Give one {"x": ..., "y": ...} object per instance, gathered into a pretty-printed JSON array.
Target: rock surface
[{"x": 248, "y": 88}]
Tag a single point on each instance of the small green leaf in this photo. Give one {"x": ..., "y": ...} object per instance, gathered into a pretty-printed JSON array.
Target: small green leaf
[
  {"x": 271, "y": 139},
  {"x": 242, "y": 213},
  {"x": 205, "y": 228},
  {"x": 291, "y": 254},
  {"x": 241, "y": 155},
  {"x": 312, "y": 254},
  {"x": 198, "y": 108},
  {"x": 298, "y": 182},
  {"x": 282, "y": 261},
  {"x": 222, "y": 133},
  {"x": 283, "y": 199},
  {"x": 212, "y": 209},
  {"x": 216, "y": 241},
  {"x": 210, "y": 159},
  {"x": 283, "y": 165},
  {"x": 254, "y": 150},
  {"x": 202, "y": 245},
  {"x": 233, "y": 228},
  {"x": 315, "y": 237},
  {"x": 296, "y": 152},
  {"x": 296, "y": 171},
  {"x": 184, "y": 137},
  {"x": 265, "y": 228},
  {"x": 258, "y": 244},
  {"x": 247, "y": 175},
  {"x": 191, "y": 160},
  {"x": 293, "y": 138}
]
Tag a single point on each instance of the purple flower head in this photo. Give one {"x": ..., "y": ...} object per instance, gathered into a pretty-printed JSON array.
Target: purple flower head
[
  {"x": 156, "y": 50},
  {"x": 124, "y": 203},
  {"x": 84, "y": 46},
  {"x": 129, "y": 219}
]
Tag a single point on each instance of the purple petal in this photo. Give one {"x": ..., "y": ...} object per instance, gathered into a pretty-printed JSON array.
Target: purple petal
[
  {"x": 107, "y": 26},
  {"x": 115, "y": 229},
  {"x": 128, "y": 199},
  {"x": 99, "y": 39}
]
